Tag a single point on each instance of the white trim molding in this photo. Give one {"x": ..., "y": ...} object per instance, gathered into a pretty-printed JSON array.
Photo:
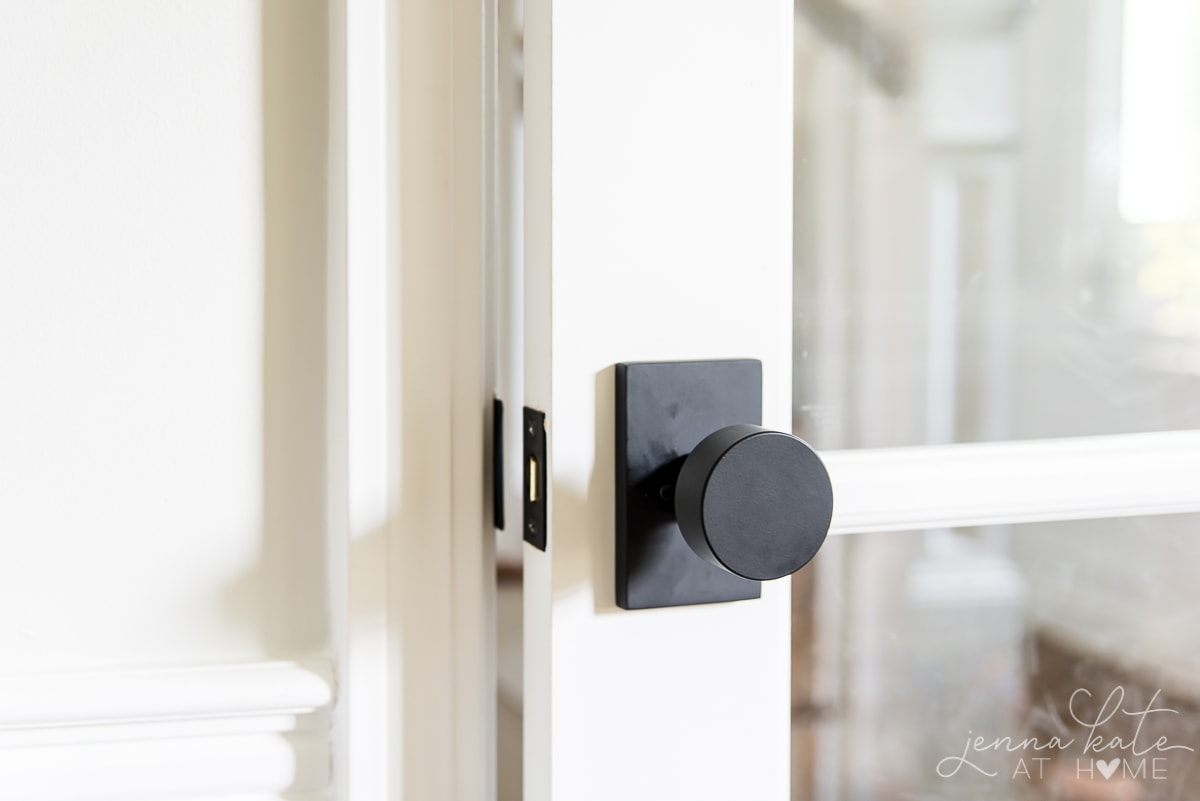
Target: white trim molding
[
  {"x": 150, "y": 770},
  {"x": 264, "y": 689},
  {"x": 259, "y": 728},
  {"x": 1126, "y": 475}
]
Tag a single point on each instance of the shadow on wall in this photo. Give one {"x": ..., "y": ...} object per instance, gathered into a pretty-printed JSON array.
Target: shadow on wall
[{"x": 287, "y": 593}]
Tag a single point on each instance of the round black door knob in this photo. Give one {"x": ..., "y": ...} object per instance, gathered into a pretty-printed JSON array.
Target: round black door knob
[{"x": 754, "y": 502}]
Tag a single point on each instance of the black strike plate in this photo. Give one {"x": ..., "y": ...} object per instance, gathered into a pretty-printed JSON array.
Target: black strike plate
[
  {"x": 664, "y": 409},
  {"x": 533, "y": 434}
]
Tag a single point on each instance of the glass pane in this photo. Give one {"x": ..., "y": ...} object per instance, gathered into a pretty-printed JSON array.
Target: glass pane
[
  {"x": 997, "y": 230},
  {"x": 1044, "y": 661}
]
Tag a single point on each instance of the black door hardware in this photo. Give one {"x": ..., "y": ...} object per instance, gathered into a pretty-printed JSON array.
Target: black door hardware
[
  {"x": 533, "y": 482},
  {"x": 709, "y": 503},
  {"x": 498, "y": 463}
]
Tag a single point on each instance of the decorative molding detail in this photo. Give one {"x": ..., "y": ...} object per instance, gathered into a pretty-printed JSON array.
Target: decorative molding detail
[
  {"x": 171, "y": 694},
  {"x": 150, "y": 770},
  {"x": 903, "y": 489},
  {"x": 257, "y": 729}
]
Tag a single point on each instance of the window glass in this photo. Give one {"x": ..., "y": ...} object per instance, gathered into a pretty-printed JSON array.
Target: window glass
[
  {"x": 1044, "y": 661},
  {"x": 997, "y": 230}
]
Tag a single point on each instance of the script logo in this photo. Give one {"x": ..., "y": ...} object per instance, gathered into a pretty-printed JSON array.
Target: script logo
[{"x": 1137, "y": 756}]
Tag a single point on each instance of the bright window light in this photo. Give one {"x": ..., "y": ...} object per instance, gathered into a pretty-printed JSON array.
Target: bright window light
[{"x": 1160, "y": 111}]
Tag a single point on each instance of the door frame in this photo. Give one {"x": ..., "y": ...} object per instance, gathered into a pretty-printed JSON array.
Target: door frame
[{"x": 414, "y": 143}]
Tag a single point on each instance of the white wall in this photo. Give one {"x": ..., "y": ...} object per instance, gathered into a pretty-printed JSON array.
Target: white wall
[
  {"x": 163, "y": 364},
  {"x": 161, "y": 326}
]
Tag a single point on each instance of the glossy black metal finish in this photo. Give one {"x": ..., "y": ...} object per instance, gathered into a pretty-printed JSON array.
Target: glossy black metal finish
[
  {"x": 664, "y": 410},
  {"x": 755, "y": 502}
]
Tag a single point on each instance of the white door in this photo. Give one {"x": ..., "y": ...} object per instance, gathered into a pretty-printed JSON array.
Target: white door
[
  {"x": 244, "y": 543},
  {"x": 993, "y": 244},
  {"x": 658, "y": 166}
]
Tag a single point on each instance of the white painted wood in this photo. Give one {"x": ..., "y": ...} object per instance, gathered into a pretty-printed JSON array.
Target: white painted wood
[
  {"x": 1126, "y": 475},
  {"x": 367, "y": 724},
  {"x": 167, "y": 768},
  {"x": 658, "y": 226},
  {"x": 472, "y": 376},
  {"x": 509, "y": 269},
  {"x": 441, "y": 545},
  {"x": 539, "y": 752},
  {"x": 48, "y": 699},
  {"x": 418, "y": 648},
  {"x": 51, "y": 736},
  {"x": 261, "y": 797},
  {"x": 167, "y": 733},
  {"x": 420, "y": 554}
]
